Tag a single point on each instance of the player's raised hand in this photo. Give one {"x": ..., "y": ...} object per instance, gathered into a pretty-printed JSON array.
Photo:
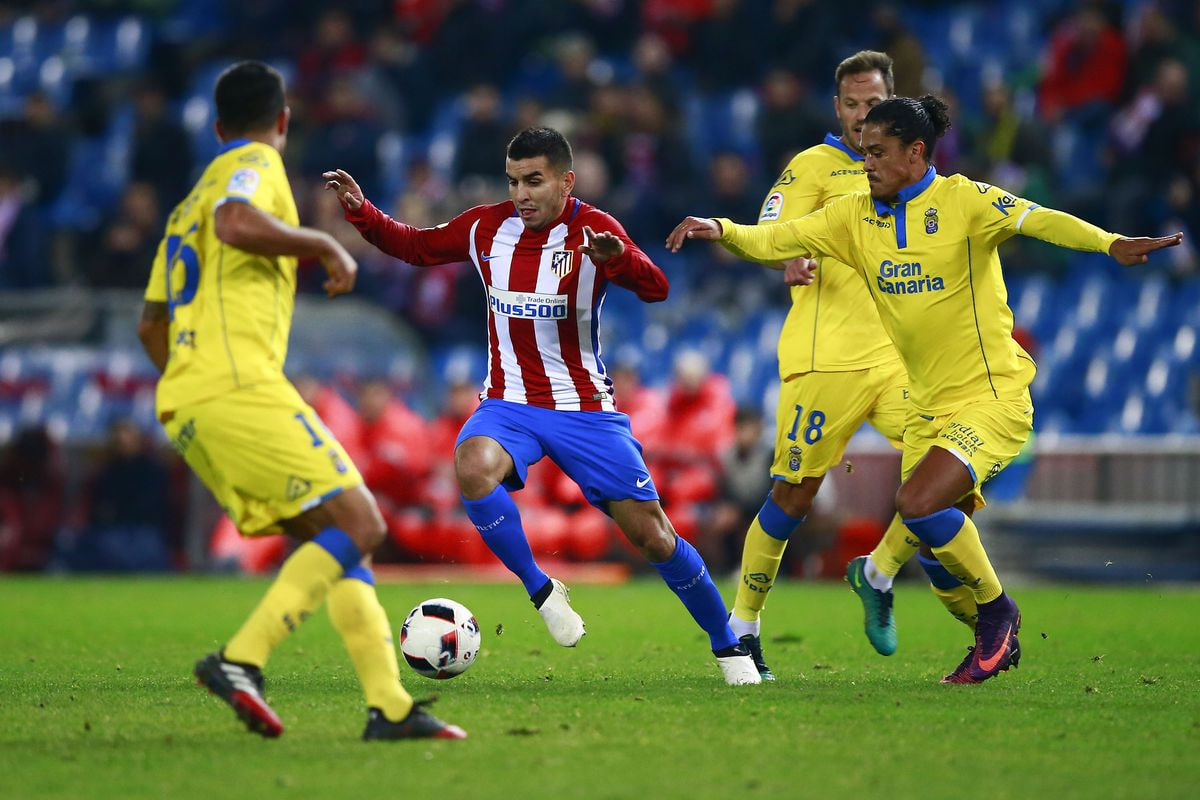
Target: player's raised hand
[
  {"x": 602, "y": 246},
  {"x": 1135, "y": 251},
  {"x": 341, "y": 268},
  {"x": 693, "y": 228},
  {"x": 799, "y": 271},
  {"x": 343, "y": 183}
]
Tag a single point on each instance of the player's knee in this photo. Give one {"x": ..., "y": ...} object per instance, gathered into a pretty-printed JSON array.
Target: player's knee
[
  {"x": 479, "y": 470},
  {"x": 913, "y": 503},
  {"x": 793, "y": 499}
]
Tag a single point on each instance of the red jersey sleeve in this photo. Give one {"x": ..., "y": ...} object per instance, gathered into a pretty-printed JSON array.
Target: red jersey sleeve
[
  {"x": 633, "y": 269},
  {"x": 423, "y": 247}
]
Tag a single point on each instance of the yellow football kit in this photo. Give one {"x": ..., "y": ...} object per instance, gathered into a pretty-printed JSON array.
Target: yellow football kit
[
  {"x": 930, "y": 264},
  {"x": 836, "y": 363},
  {"x": 837, "y": 368},
  {"x": 223, "y": 397}
]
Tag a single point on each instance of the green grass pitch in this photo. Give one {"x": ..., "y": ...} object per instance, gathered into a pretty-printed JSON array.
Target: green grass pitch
[{"x": 96, "y": 700}]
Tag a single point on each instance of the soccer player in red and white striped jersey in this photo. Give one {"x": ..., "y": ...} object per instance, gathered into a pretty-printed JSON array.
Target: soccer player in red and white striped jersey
[{"x": 546, "y": 260}]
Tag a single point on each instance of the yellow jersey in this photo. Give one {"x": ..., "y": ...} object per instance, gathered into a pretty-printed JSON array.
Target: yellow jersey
[
  {"x": 931, "y": 266},
  {"x": 230, "y": 311},
  {"x": 832, "y": 325}
]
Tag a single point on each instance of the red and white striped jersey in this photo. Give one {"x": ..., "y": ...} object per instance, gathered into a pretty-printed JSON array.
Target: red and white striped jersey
[{"x": 544, "y": 297}]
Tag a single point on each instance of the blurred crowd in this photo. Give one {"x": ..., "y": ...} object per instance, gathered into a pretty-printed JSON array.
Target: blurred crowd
[
  {"x": 124, "y": 511},
  {"x": 673, "y": 106}
]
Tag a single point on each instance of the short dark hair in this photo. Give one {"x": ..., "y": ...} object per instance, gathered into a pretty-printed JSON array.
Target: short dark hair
[
  {"x": 534, "y": 142},
  {"x": 249, "y": 97},
  {"x": 866, "y": 61},
  {"x": 926, "y": 118}
]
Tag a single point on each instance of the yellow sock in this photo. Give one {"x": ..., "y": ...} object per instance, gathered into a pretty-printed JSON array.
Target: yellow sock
[
  {"x": 363, "y": 624},
  {"x": 297, "y": 592},
  {"x": 960, "y": 602},
  {"x": 761, "y": 555},
  {"x": 964, "y": 557},
  {"x": 896, "y": 547}
]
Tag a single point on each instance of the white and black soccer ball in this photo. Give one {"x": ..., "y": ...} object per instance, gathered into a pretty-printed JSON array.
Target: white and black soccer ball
[{"x": 440, "y": 638}]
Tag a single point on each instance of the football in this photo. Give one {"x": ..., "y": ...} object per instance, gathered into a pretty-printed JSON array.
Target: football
[{"x": 440, "y": 638}]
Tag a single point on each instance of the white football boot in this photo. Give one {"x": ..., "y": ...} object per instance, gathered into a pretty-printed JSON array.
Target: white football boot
[
  {"x": 565, "y": 626},
  {"x": 739, "y": 670}
]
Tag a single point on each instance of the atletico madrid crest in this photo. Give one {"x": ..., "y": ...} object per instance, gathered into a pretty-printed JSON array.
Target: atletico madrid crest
[{"x": 561, "y": 263}]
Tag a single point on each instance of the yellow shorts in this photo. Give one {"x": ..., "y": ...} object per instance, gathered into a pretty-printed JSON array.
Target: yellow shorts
[
  {"x": 263, "y": 453},
  {"x": 985, "y": 436},
  {"x": 819, "y": 412}
]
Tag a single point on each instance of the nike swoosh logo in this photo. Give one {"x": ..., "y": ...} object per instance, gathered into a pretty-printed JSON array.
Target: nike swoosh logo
[
  {"x": 642, "y": 481},
  {"x": 857, "y": 579},
  {"x": 990, "y": 663},
  {"x": 483, "y": 257}
]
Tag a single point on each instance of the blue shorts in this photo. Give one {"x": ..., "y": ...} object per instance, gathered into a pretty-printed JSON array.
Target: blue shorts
[{"x": 595, "y": 448}]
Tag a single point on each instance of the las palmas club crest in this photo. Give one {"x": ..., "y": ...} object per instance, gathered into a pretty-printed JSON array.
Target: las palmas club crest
[{"x": 560, "y": 263}]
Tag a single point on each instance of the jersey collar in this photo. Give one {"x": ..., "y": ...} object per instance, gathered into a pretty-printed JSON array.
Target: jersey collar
[
  {"x": 907, "y": 193},
  {"x": 233, "y": 144},
  {"x": 834, "y": 141}
]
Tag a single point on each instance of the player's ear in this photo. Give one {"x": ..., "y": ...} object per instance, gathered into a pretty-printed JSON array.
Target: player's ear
[
  {"x": 281, "y": 121},
  {"x": 568, "y": 182},
  {"x": 219, "y": 130}
]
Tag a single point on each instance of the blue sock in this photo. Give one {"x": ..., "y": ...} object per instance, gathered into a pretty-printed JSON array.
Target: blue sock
[
  {"x": 684, "y": 572},
  {"x": 775, "y": 521},
  {"x": 499, "y": 523},
  {"x": 338, "y": 544},
  {"x": 362, "y": 573},
  {"x": 939, "y": 576}
]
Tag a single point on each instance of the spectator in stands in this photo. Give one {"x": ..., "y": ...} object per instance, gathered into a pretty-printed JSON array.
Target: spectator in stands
[
  {"x": 743, "y": 483},
  {"x": 128, "y": 508},
  {"x": 700, "y": 410},
  {"x": 658, "y": 173},
  {"x": 40, "y": 143},
  {"x": 655, "y": 70},
  {"x": 788, "y": 115},
  {"x": 32, "y": 484},
  {"x": 893, "y": 37},
  {"x": 720, "y": 58},
  {"x": 730, "y": 186},
  {"x": 23, "y": 243},
  {"x": 1085, "y": 66},
  {"x": 161, "y": 151},
  {"x": 1154, "y": 134},
  {"x": 574, "y": 55},
  {"x": 396, "y": 440},
  {"x": 335, "y": 51},
  {"x": 1013, "y": 151},
  {"x": 483, "y": 134},
  {"x": 121, "y": 252},
  {"x": 346, "y": 129}
]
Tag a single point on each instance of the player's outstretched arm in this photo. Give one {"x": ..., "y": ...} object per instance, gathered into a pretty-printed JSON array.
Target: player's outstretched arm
[
  {"x": 245, "y": 227},
  {"x": 602, "y": 246},
  {"x": 154, "y": 330},
  {"x": 348, "y": 193},
  {"x": 1136, "y": 250},
  {"x": 693, "y": 228}
]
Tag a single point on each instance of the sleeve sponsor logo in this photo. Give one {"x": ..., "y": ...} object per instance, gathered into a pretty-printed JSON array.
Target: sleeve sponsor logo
[
  {"x": 528, "y": 305},
  {"x": 1004, "y": 204},
  {"x": 244, "y": 182},
  {"x": 773, "y": 207}
]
